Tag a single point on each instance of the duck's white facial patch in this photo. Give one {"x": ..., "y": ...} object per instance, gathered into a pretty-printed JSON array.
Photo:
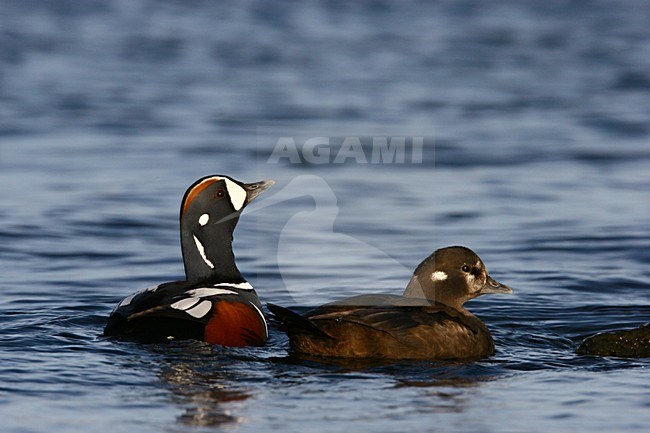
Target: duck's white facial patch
[
  {"x": 237, "y": 194},
  {"x": 203, "y": 219},
  {"x": 438, "y": 276},
  {"x": 201, "y": 249}
]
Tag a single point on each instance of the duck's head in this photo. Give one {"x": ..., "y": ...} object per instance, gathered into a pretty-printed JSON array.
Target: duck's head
[
  {"x": 209, "y": 213},
  {"x": 452, "y": 276}
]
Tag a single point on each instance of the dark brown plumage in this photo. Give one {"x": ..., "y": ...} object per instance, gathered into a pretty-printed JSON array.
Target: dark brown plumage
[{"x": 428, "y": 322}]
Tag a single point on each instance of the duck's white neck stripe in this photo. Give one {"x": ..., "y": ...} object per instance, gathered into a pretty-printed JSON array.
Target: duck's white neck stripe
[{"x": 201, "y": 249}]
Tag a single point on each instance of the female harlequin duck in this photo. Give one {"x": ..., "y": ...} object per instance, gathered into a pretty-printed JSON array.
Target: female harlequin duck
[
  {"x": 215, "y": 303},
  {"x": 427, "y": 322}
]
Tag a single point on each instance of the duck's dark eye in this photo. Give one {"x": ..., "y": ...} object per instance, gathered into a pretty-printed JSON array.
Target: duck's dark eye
[
  {"x": 220, "y": 193},
  {"x": 465, "y": 268}
]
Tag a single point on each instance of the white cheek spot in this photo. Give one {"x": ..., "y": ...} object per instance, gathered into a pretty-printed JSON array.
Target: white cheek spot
[
  {"x": 203, "y": 219},
  {"x": 201, "y": 249},
  {"x": 200, "y": 310},
  {"x": 237, "y": 194},
  {"x": 438, "y": 276}
]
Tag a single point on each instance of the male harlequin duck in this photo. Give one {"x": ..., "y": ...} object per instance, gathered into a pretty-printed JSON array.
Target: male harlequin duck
[
  {"x": 215, "y": 303},
  {"x": 427, "y": 322}
]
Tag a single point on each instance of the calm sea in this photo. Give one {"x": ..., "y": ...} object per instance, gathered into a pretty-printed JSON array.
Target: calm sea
[{"x": 518, "y": 129}]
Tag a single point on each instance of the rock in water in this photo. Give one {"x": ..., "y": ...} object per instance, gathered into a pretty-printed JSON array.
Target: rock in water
[{"x": 627, "y": 343}]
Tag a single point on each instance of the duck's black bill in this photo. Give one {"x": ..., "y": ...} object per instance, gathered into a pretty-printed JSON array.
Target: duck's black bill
[
  {"x": 493, "y": 286},
  {"x": 257, "y": 188}
]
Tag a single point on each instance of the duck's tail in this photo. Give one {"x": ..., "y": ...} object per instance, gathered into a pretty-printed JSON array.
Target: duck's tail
[{"x": 293, "y": 323}]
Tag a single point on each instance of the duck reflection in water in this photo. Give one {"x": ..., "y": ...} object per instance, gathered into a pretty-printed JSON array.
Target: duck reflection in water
[{"x": 204, "y": 387}]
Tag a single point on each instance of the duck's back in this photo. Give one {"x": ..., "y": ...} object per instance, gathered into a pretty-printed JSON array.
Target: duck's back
[{"x": 433, "y": 331}]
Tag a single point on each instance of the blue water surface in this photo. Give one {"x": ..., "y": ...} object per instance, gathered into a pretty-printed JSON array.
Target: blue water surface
[{"x": 535, "y": 124}]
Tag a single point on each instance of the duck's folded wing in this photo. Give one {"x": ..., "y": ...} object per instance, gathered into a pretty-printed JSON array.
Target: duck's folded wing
[
  {"x": 192, "y": 309},
  {"x": 206, "y": 313},
  {"x": 175, "y": 300},
  {"x": 412, "y": 325}
]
